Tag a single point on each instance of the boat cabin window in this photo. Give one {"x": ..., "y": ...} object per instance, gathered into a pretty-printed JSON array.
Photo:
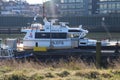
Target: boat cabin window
[
  {"x": 50, "y": 35},
  {"x": 73, "y": 35},
  {"x": 76, "y": 35},
  {"x": 42, "y": 35},
  {"x": 74, "y": 30}
]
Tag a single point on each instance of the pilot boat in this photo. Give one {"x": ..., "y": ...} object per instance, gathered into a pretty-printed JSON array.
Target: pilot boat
[{"x": 54, "y": 35}]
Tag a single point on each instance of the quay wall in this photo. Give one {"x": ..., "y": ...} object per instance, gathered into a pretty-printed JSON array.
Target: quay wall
[{"x": 111, "y": 23}]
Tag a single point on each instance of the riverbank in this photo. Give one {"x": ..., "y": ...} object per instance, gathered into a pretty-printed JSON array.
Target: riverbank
[{"x": 62, "y": 70}]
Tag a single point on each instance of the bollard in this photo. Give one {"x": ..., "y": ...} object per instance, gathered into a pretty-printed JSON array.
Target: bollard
[
  {"x": 117, "y": 48},
  {"x": 98, "y": 54}
]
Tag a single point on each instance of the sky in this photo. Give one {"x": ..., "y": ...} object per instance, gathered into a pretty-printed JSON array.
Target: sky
[{"x": 35, "y": 1}]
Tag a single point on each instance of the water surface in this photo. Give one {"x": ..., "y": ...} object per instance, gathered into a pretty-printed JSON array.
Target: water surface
[{"x": 95, "y": 35}]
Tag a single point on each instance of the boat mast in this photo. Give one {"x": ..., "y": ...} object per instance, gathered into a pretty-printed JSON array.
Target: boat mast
[{"x": 44, "y": 15}]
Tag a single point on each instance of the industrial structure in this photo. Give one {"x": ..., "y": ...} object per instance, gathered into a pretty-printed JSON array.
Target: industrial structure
[
  {"x": 78, "y": 7},
  {"x": 89, "y": 7}
]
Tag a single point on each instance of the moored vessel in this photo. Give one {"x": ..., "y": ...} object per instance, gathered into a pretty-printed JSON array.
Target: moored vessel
[{"x": 56, "y": 35}]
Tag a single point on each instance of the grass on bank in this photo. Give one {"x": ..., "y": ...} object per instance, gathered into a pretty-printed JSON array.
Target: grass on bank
[{"x": 61, "y": 70}]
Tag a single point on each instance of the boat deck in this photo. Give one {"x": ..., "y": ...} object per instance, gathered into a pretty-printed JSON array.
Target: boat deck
[{"x": 82, "y": 50}]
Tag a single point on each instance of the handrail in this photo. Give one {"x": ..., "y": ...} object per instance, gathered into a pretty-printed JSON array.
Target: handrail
[{"x": 6, "y": 53}]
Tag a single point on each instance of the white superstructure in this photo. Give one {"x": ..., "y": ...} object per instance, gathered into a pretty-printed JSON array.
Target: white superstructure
[
  {"x": 52, "y": 35},
  {"x": 55, "y": 36}
]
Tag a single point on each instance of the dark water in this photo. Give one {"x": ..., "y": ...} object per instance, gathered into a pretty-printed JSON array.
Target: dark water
[
  {"x": 4, "y": 36},
  {"x": 95, "y": 35},
  {"x": 101, "y": 36}
]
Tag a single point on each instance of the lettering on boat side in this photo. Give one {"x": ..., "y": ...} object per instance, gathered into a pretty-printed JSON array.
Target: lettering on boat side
[{"x": 57, "y": 42}]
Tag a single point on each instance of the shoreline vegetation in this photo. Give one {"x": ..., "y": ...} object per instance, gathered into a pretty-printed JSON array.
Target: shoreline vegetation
[{"x": 74, "y": 69}]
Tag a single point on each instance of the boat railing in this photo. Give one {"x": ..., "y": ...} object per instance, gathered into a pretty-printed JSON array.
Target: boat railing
[
  {"x": 6, "y": 53},
  {"x": 32, "y": 28}
]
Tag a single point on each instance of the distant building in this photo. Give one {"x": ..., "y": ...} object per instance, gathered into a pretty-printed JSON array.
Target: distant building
[
  {"x": 87, "y": 7},
  {"x": 19, "y": 7},
  {"x": 35, "y": 9},
  {"x": 77, "y": 7},
  {"x": 109, "y": 7}
]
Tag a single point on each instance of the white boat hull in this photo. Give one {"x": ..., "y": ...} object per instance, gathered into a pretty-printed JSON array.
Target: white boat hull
[{"x": 54, "y": 44}]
